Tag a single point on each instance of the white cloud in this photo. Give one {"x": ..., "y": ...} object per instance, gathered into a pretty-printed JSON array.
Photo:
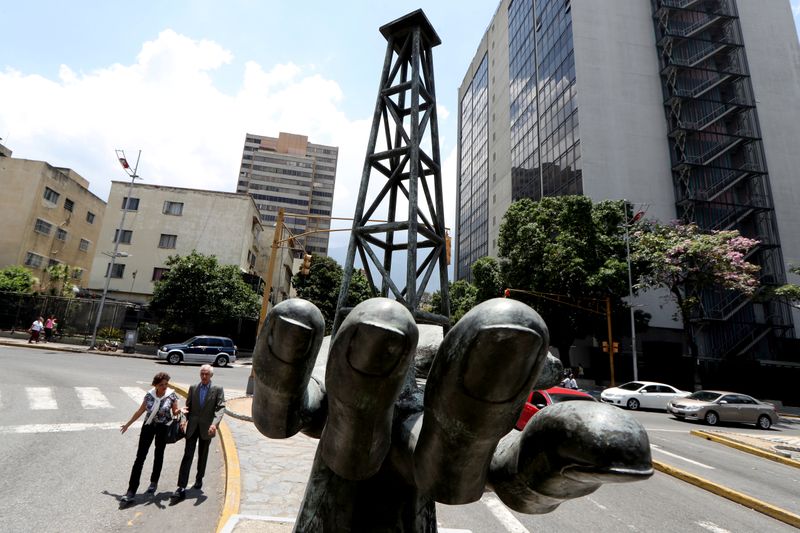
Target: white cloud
[
  {"x": 166, "y": 103},
  {"x": 796, "y": 8}
]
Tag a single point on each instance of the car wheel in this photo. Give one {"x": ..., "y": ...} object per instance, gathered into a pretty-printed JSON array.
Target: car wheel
[
  {"x": 633, "y": 404},
  {"x": 222, "y": 360},
  {"x": 764, "y": 422},
  {"x": 711, "y": 418},
  {"x": 174, "y": 358}
]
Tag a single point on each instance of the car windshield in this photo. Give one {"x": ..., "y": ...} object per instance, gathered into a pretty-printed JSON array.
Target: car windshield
[
  {"x": 704, "y": 396},
  {"x": 558, "y": 398},
  {"x": 633, "y": 385}
]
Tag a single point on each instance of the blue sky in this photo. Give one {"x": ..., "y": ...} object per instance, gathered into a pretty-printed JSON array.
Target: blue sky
[{"x": 185, "y": 80}]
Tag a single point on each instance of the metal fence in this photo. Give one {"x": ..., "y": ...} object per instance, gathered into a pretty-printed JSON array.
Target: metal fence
[{"x": 75, "y": 316}]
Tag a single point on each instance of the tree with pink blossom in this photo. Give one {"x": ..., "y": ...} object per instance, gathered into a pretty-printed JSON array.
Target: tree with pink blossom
[{"x": 686, "y": 261}]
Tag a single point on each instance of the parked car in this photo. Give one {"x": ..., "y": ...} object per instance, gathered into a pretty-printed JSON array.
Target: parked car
[
  {"x": 539, "y": 399},
  {"x": 720, "y": 406},
  {"x": 218, "y": 351},
  {"x": 647, "y": 394}
]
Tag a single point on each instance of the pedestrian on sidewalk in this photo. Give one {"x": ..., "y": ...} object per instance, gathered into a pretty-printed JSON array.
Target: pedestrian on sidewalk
[
  {"x": 35, "y": 330},
  {"x": 161, "y": 405},
  {"x": 205, "y": 405},
  {"x": 49, "y": 325}
]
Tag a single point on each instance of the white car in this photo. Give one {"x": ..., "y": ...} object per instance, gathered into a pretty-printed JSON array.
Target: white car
[{"x": 646, "y": 394}]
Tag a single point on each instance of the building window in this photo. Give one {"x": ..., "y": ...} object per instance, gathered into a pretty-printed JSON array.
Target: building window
[
  {"x": 158, "y": 273},
  {"x": 124, "y": 238},
  {"x": 42, "y": 227},
  {"x": 33, "y": 260},
  {"x": 84, "y": 245},
  {"x": 90, "y": 217},
  {"x": 77, "y": 273},
  {"x": 130, "y": 204},
  {"x": 69, "y": 205},
  {"x": 53, "y": 262},
  {"x": 173, "y": 208},
  {"x": 61, "y": 234},
  {"x": 118, "y": 271},
  {"x": 50, "y": 195},
  {"x": 167, "y": 241}
]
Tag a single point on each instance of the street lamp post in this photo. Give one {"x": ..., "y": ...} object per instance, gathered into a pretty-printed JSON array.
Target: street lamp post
[
  {"x": 636, "y": 217},
  {"x": 116, "y": 253}
]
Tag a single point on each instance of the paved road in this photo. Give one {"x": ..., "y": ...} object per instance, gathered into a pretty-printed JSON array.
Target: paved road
[{"x": 64, "y": 463}]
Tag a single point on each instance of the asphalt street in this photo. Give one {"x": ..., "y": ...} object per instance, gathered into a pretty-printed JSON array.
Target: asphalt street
[{"x": 64, "y": 462}]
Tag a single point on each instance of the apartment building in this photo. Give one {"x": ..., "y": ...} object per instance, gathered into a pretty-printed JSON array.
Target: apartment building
[
  {"x": 162, "y": 221},
  {"x": 48, "y": 217},
  {"x": 291, "y": 173},
  {"x": 686, "y": 107}
]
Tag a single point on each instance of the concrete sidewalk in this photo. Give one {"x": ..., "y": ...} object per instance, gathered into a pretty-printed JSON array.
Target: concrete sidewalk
[{"x": 21, "y": 342}]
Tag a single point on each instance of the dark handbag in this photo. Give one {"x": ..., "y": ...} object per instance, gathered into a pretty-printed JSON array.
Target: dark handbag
[{"x": 174, "y": 430}]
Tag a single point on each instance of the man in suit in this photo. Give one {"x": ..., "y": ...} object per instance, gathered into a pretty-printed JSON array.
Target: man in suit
[{"x": 205, "y": 405}]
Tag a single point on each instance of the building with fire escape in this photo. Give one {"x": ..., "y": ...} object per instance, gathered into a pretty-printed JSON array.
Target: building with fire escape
[{"x": 685, "y": 107}]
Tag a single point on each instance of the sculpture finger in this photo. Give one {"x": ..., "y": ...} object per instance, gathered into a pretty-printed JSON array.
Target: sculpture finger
[
  {"x": 367, "y": 364},
  {"x": 551, "y": 374},
  {"x": 566, "y": 451},
  {"x": 477, "y": 385},
  {"x": 283, "y": 398}
]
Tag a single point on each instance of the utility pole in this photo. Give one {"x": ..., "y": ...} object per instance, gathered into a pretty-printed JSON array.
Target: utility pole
[{"x": 134, "y": 176}]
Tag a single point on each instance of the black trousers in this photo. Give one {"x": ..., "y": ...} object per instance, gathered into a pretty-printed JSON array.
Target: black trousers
[
  {"x": 188, "y": 455},
  {"x": 150, "y": 432}
]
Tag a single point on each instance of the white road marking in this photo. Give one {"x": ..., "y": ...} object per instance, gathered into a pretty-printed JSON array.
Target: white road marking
[
  {"x": 712, "y": 527},
  {"x": 92, "y": 398},
  {"x": 41, "y": 398},
  {"x": 136, "y": 394},
  {"x": 598, "y": 504},
  {"x": 676, "y": 456},
  {"x": 501, "y": 512},
  {"x": 59, "y": 428}
]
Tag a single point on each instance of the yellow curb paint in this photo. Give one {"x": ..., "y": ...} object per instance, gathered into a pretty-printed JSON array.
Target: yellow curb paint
[
  {"x": 233, "y": 473},
  {"x": 757, "y": 505},
  {"x": 733, "y": 443}
]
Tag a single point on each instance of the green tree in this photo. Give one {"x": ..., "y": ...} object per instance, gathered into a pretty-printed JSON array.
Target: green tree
[
  {"x": 16, "y": 279},
  {"x": 463, "y": 297},
  {"x": 487, "y": 279},
  {"x": 323, "y": 283},
  {"x": 60, "y": 278},
  {"x": 687, "y": 261},
  {"x": 198, "y": 294},
  {"x": 570, "y": 247},
  {"x": 790, "y": 292}
]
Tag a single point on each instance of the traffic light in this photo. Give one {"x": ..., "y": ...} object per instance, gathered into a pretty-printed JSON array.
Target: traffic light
[
  {"x": 447, "y": 247},
  {"x": 615, "y": 346},
  {"x": 306, "y": 269},
  {"x": 507, "y": 293}
]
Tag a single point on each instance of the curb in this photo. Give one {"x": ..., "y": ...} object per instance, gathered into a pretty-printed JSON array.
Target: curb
[
  {"x": 239, "y": 416},
  {"x": 76, "y": 349},
  {"x": 233, "y": 472},
  {"x": 757, "y": 505},
  {"x": 733, "y": 443}
]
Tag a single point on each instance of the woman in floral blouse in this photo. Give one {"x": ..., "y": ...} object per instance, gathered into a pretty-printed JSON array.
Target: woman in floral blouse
[{"x": 161, "y": 405}]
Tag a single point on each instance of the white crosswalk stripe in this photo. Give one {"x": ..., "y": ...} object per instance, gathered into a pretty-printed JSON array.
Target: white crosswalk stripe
[
  {"x": 41, "y": 398},
  {"x": 92, "y": 398},
  {"x": 135, "y": 393}
]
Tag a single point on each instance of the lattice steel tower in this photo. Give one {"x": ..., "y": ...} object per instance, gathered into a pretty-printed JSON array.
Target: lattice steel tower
[{"x": 404, "y": 123}]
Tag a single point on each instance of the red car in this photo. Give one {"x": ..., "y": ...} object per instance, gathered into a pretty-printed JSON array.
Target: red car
[{"x": 539, "y": 399}]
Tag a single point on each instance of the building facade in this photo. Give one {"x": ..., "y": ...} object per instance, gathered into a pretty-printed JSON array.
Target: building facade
[
  {"x": 48, "y": 217},
  {"x": 163, "y": 221},
  {"x": 291, "y": 173},
  {"x": 682, "y": 106}
]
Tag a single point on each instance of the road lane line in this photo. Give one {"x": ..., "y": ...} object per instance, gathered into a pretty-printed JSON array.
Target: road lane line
[
  {"x": 657, "y": 448},
  {"x": 59, "y": 428},
  {"x": 92, "y": 398},
  {"x": 135, "y": 393},
  {"x": 41, "y": 398},
  {"x": 711, "y": 526},
  {"x": 503, "y": 515}
]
